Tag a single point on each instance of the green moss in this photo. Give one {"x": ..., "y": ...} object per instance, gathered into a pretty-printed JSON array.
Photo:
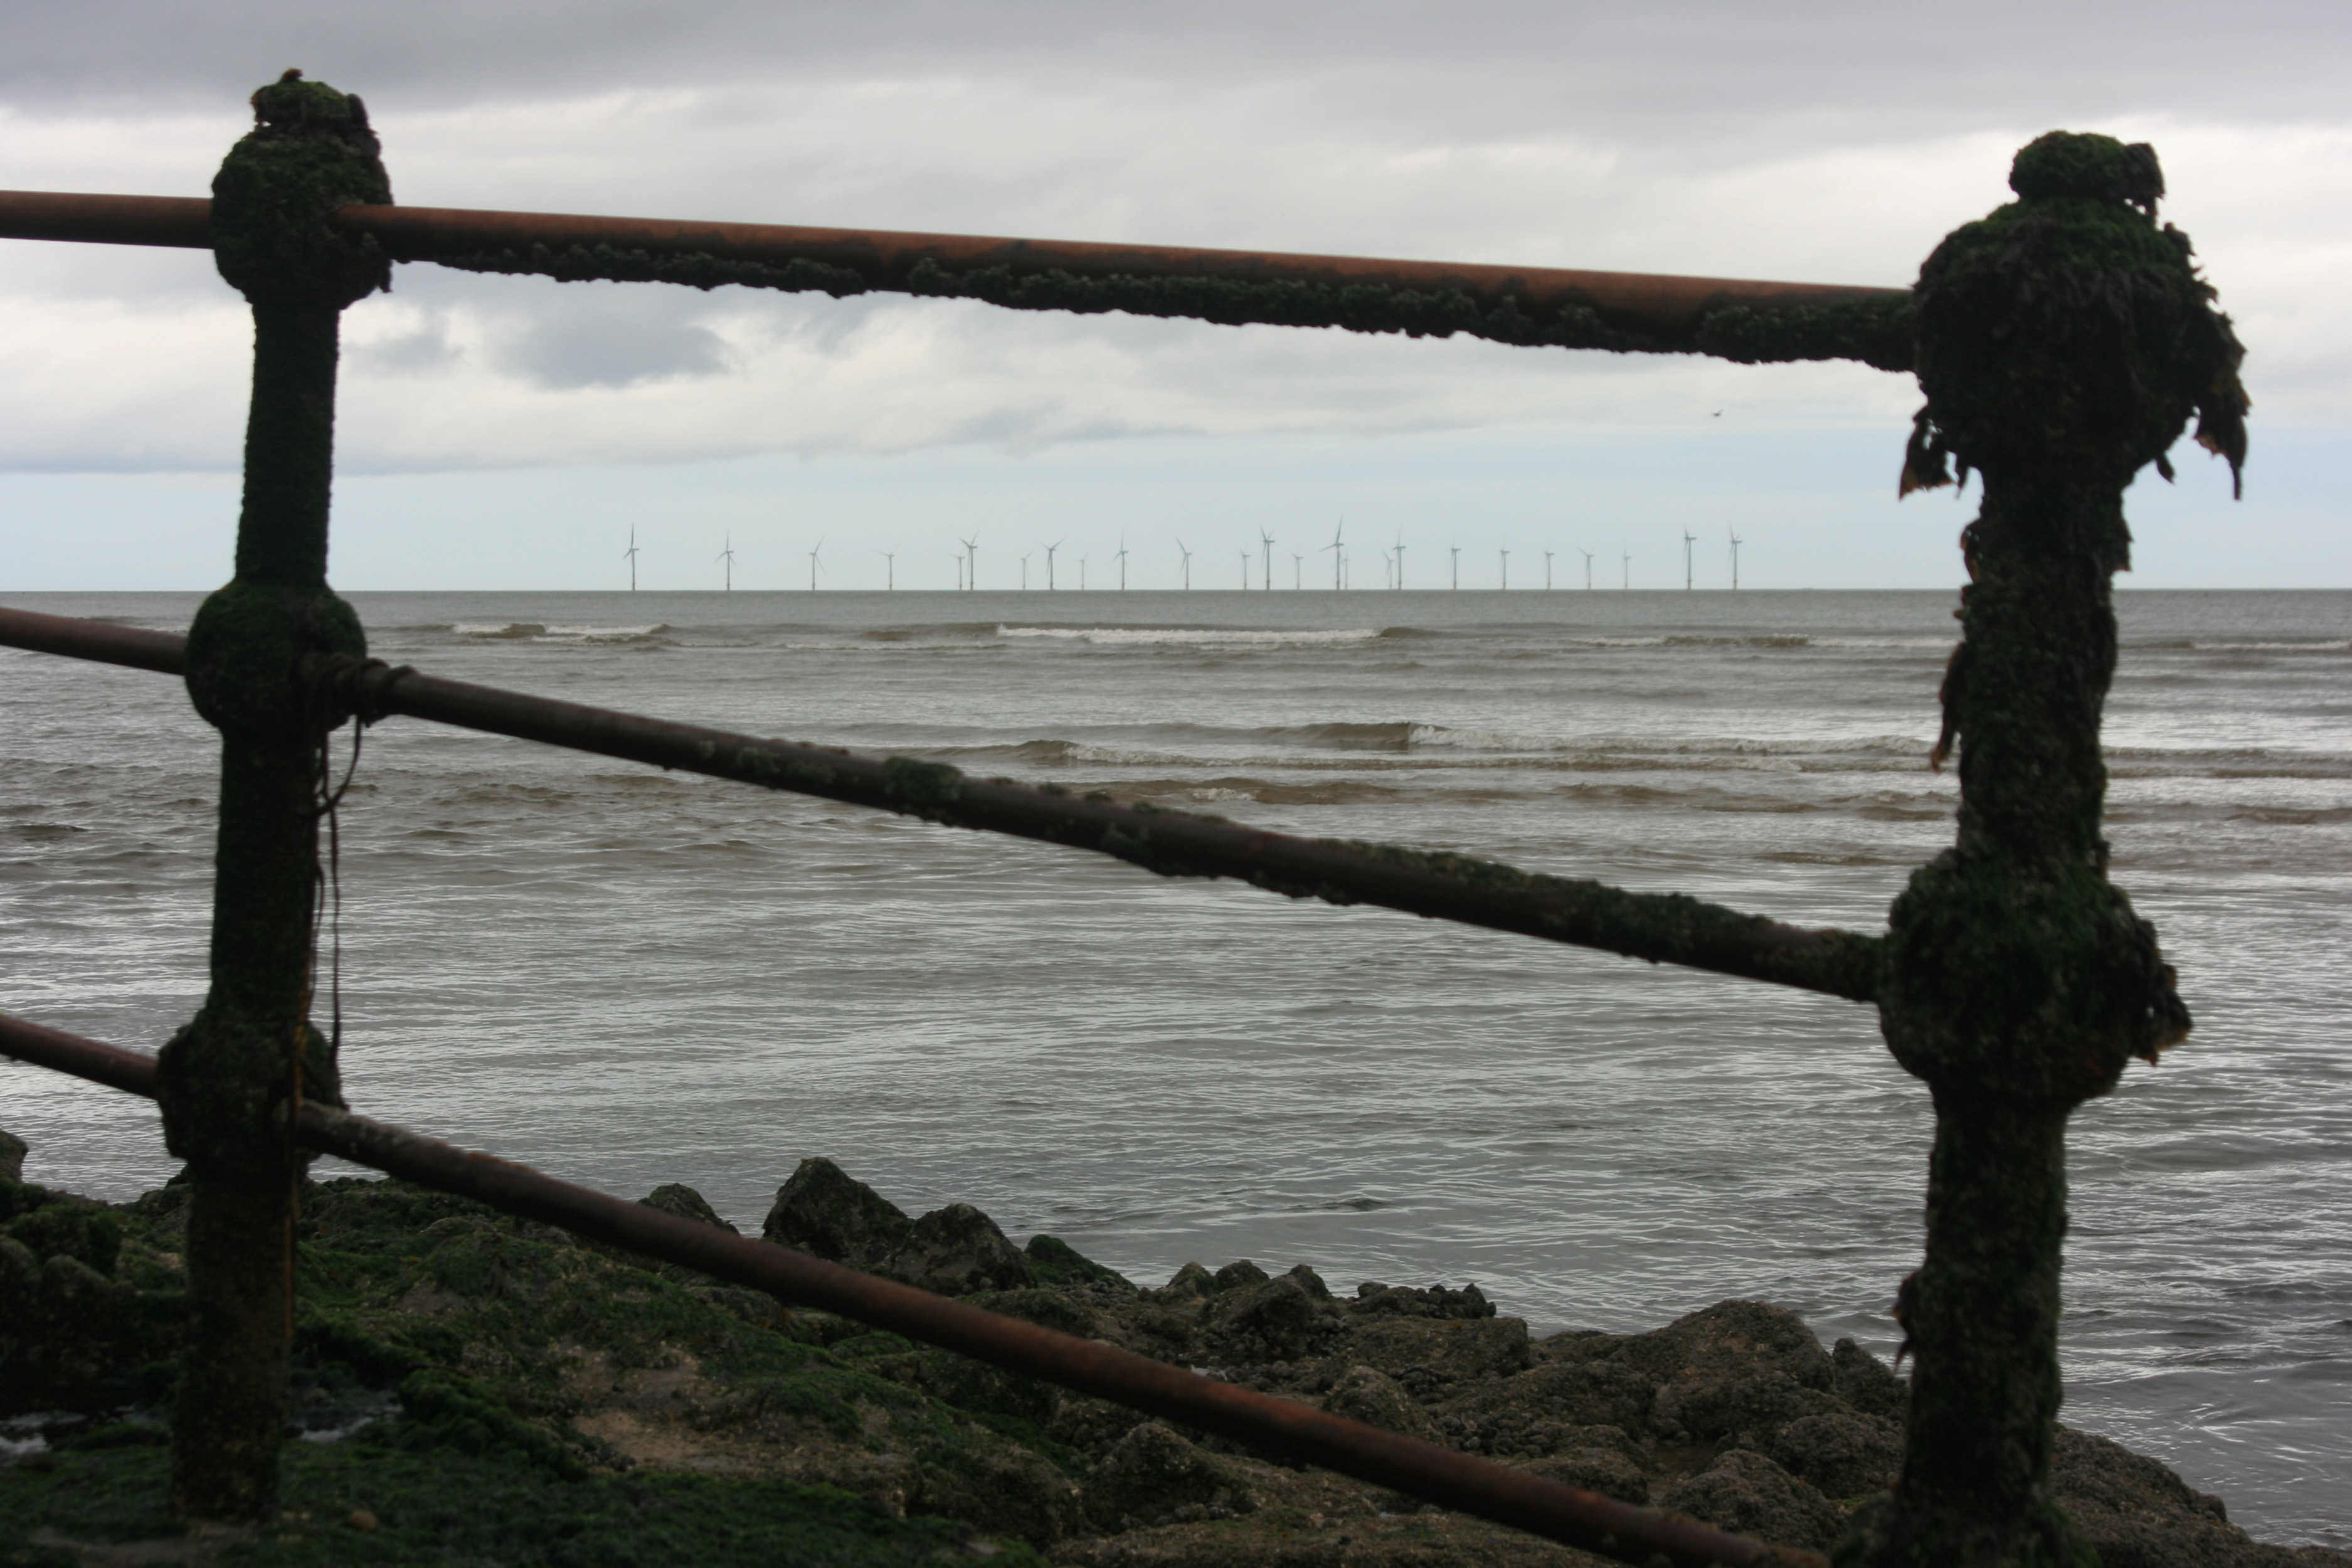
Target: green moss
[
  {"x": 309, "y": 153},
  {"x": 430, "y": 1501}
]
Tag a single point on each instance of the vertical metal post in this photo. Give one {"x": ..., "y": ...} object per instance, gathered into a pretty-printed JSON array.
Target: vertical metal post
[
  {"x": 232, "y": 1078},
  {"x": 2064, "y": 342}
]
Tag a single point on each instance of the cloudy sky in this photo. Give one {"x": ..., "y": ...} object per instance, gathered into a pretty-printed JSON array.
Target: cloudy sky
[{"x": 507, "y": 432}]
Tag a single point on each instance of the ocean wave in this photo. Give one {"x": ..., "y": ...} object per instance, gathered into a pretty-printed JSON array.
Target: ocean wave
[
  {"x": 536, "y": 631},
  {"x": 1190, "y": 636}
]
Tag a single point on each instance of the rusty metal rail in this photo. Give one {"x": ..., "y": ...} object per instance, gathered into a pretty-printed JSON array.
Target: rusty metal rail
[
  {"x": 1663, "y": 928},
  {"x": 1546, "y": 1508},
  {"x": 1738, "y": 319}
]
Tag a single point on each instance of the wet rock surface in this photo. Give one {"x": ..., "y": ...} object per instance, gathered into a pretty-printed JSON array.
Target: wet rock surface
[{"x": 433, "y": 1331}]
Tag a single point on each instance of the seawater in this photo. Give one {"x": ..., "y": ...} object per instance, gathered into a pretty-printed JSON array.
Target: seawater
[{"x": 631, "y": 978}]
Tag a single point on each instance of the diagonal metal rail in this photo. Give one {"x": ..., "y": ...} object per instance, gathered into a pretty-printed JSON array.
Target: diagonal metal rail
[
  {"x": 1480, "y": 1487},
  {"x": 1745, "y": 320},
  {"x": 1663, "y": 927}
]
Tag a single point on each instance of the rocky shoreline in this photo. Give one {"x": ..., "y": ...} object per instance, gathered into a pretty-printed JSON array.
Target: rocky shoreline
[{"x": 481, "y": 1389}]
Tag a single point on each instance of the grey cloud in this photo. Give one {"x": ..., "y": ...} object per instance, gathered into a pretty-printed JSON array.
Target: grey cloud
[
  {"x": 1664, "y": 71},
  {"x": 608, "y": 336},
  {"x": 426, "y": 348}
]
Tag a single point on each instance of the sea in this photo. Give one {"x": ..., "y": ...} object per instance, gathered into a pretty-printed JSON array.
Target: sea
[{"x": 631, "y": 978}]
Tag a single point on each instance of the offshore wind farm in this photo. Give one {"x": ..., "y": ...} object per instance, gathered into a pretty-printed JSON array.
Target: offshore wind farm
[{"x": 1169, "y": 565}]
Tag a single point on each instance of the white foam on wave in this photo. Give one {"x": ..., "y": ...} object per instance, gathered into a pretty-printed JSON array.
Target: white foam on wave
[
  {"x": 1201, "y": 636},
  {"x": 533, "y": 631}
]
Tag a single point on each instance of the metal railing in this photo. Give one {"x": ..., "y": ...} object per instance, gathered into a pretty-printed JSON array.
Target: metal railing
[{"x": 2013, "y": 978}]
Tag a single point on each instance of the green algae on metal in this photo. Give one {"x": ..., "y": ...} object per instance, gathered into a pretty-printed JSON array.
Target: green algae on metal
[{"x": 2064, "y": 341}]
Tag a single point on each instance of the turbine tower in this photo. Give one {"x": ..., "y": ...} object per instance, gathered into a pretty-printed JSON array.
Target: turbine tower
[
  {"x": 1049, "y": 564},
  {"x": 1297, "y": 569},
  {"x": 889, "y": 570},
  {"x": 1245, "y": 571},
  {"x": 728, "y": 555},
  {"x": 1024, "y": 568},
  {"x": 1082, "y": 574},
  {"x": 1735, "y": 559},
  {"x": 1689, "y": 539},
  {"x": 1507, "y": 571},
  {"x": 630, "y": 556},
  {"x": 1121, "y": 553},
  {"x": 1399, "y": 554},
  {"x": 1265, "y": 545},
  {"x": 1457, "y": 566},
  {"x": 820, "y": 545},
  {"x": 1188, "y": 566},
  {"x": 1588, "y": 567},
  {"x": 972, "y": 558},
  {"x": 1628, "y": 583},
  {"x": 957, "y": 556},
  {"x": 1334, "y": 548},
  {"x": 1547, "y": 570}
]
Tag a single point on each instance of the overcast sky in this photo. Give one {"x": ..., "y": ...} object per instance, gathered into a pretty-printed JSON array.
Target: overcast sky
[{"x": 507, "y": 432}]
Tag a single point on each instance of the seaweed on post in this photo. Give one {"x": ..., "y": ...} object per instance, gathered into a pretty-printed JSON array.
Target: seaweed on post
[
  {"x": 234, "y": 1079},
  {"x": 2064, "y": 342}
]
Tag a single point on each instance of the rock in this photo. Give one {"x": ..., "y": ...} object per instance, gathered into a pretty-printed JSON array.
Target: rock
[
  {"x": 954, "y": 1251},
  {"x": 1549, "y": 1409},
  {"x": 677, "y": 1198},
  {"x": 1436, "y": 1302},
  {"x": 12, "y": 1157},
  {"x": 1271, "y": 1321},
  {"x": 1429, "y": 1356},
  {"x": 1311, "y": 1280},
  {"x": 1747, "y": 1494},
  {"x": 2139, "y": 1514},
  {"x": 1055, "y": 1262},
  {"x": 1713, "y": 1407},
  {"x": 1151, "y": 1476},
  {"x": 1865, "y": 1381},
  {"x": 1842, "y": 1454},
  {"x": 1734, "y": 1339},
  {"x": 999, "y": 1488},
  {"x": 825, "y": 1213},
  {"x": 1372, "y": 1397},
  {"x": 1237, "y": 1275},
  {"x": 1191, "y": 1283},
  {"x": 1604, "y": 1471},
  {"x": 54, "y": 1225}
]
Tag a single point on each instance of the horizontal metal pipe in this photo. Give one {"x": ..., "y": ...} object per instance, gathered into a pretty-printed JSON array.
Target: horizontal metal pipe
[
  {"x": 1480, "y": 1487},
  {"x": 1537, "y": 305},
  {"x": 1663, "y": 927}
]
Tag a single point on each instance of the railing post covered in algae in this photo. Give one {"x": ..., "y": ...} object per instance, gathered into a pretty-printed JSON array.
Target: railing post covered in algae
[
  {"x": 234, "y": 1079},
  {"x": 2063, "y": 340}
]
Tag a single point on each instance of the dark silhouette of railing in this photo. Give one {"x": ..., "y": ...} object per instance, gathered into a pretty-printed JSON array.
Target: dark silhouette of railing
[{"x": 2063, "y": 343}]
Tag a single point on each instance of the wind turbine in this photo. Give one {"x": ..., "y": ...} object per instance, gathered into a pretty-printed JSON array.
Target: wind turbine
[
  {"x": 1400, "y": 555},
  {"x": 1588, "y": 567},
  {"x": 630, "y": 556},
  {"x": 1457, "y": 566},
  {"x": 957, "y": 556},
  {"x": 1121, "y": 554},
  {"x": 1334, "y": 548},
  {"x": 1049, "y": 564},
  {"x": 1547, "y": 570},
  {"x": 1082, "y": 574},
  {"x": 1628, "y": 583},
  {"x": 728, "y": 555},
  {"x": 1188, "y": 566},
  {"x": 971, "y": 553},
  {"x": 1265, "y": 542},
  {"x": 1245, "y": 571},
  {"x": 1735, "y": 559},
  {"x": 820, "y": 545},
  {"x": 1024, "y": 568},
  {"x": 1689, "y": 539},
  {"x": 889, "y": 570},
  {"x": 1297, "y": 569},
  {"x": 1507, "y": 571}
]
